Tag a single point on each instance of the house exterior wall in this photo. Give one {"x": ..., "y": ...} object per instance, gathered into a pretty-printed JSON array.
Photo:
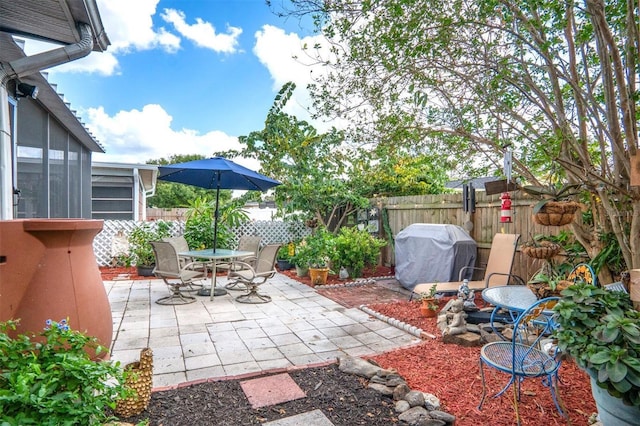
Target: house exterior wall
[{"x": 50, "y": 167}]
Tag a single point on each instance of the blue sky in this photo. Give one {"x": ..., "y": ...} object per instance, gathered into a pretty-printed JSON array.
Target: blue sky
[{"x": 183, "y": 76}]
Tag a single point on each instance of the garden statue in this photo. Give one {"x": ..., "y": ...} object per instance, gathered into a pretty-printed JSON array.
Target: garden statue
[
  {"x": 456, "y": 322},
  {"x": 467, "y": 296}
]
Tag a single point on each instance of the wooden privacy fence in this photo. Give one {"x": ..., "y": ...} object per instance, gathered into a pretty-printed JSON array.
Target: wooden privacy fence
[{"x": 482, "y": 224}]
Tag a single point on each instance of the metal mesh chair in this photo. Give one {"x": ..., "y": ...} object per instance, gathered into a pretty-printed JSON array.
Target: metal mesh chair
[
  {"x": 529, "y": 354},
  {"x": 254, "y": 276},
  {"x": 245, "y": 243},
  {"x": 176, "y": 276}
]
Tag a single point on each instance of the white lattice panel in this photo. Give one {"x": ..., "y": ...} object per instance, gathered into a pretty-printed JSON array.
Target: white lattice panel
[{"x": 270, "y": 231}]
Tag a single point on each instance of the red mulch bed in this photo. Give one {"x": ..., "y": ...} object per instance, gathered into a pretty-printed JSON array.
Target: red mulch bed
[
  {"x": 379, "y": 271},
  {"x": 108, "y": 273},
  {"x": 451, "y": 372}
]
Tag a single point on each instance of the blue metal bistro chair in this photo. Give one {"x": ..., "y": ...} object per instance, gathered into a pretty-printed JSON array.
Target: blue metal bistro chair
[{"x": 529, "y": 354}]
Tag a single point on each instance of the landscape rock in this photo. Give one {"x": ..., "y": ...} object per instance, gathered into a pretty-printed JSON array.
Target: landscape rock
[
  {"x": 431, "y": 422},
  {"x": 384, "y": 390},
  {"x": 431, "y": 402},
  {"x": 400, "y": 391},
  {"x": 414, "y": 415},
  {"x": 414, "y": 398},
  {"x": 402, "y": 406},
  {"x": 441, "y": 415},
  {"x": 395, "y": 380},
  {"x": 357, "y": 366},
  {"x": 466, "y": 339}
]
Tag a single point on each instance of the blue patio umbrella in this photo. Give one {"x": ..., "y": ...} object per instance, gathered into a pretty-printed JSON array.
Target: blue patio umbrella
[{"x": 216, "y": 173}]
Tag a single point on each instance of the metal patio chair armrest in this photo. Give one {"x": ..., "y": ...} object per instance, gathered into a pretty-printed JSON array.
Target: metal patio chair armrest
[
  {"x": 464, "y": 269},
  {"x": 519, "y": 280},
  {"x": 198, "y": 266}
]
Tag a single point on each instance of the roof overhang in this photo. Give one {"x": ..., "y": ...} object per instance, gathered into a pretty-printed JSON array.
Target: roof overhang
[
  {"x": 48, "y": 97},
  {"x": 53, "y": 20}
]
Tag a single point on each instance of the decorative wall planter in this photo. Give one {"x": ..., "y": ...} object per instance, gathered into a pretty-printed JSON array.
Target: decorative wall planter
[{"x": 49, "y": 271}]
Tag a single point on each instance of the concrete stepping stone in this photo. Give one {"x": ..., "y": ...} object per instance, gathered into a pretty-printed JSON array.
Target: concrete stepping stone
[
  {"x": 315, "y": 418},
  {"x": 271, "y": 390}
]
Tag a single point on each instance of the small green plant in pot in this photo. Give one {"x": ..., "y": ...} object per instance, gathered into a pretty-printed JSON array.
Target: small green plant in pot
[
  {"x": 429, "y": 303},
  {"x": 285, "y": 254},
  {"x": 600, "y": 330}
]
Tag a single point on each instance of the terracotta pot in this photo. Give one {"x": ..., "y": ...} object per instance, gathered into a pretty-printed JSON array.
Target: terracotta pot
[
  {"x": 50, "y": 272},
  {"x": 318, "y": 275},
  {"x": 426, "y": 310}
]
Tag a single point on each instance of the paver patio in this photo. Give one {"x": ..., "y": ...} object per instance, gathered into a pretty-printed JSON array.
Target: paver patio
[{"x": 219, "y": 338}]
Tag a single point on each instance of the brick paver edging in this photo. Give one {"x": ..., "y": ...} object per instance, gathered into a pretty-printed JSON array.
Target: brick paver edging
[
  {"x": 411, "y": 329},
  {"x": 356, "y": 283},
  {"x": 245, "y": 376}
]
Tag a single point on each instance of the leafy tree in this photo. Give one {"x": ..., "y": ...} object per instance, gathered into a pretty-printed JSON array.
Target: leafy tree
[
  {"x": 553, "y": 82},
  {"x": 325, "y": 176}
]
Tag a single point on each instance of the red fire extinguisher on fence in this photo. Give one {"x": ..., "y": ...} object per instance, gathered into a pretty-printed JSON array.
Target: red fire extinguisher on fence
[{"x": 505, "y": 208}]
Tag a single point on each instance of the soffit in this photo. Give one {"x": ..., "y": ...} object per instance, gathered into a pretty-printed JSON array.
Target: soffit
[{"x": 53, "y": 20}]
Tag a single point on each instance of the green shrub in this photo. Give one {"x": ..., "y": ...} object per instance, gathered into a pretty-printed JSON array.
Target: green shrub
[
  {"x": 139, "y": 247},
  {"x": 356, "y": 249},
  {"x": 316, "y": 250},
  {"x": 53, "y": 381}
]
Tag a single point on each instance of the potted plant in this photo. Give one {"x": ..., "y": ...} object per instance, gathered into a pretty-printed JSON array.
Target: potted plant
[
  {"x": 550, "y": 279},
  {"x": 140, "y": 250},
  {"x": 556, "y": 207},
  {"x": 285, "y": 253},
  {"x": 356, "y": 249},
  {"x": 429, "y": 304},
  {"x": 600, "y": 330},
  {"x": 313, "y": 253},
  {"x": 301, "y": 257}
]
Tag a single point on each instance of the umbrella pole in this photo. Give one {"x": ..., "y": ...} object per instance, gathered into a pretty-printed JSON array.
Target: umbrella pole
[
  {"x": 216, "y": 291},
  {"x": 215, "y": 218}
]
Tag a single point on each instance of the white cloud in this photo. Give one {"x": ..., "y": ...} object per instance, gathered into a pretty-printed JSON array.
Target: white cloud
[
  {"x": 203, "y": 33},
  {"x": 136, "y": 136},
  {"x": 129, "y": 26},
  {"x": 287, "y": 58}
]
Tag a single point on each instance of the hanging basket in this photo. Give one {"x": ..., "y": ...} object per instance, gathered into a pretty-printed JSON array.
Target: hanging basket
[
  {"x": 556, "y": 213},
  {"x": 139, "y": 377},
  {"x": 544, "y": 250}
]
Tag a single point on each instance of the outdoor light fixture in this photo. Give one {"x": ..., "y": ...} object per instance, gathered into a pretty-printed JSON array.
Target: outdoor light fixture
[{"x": 26, "y": 90}]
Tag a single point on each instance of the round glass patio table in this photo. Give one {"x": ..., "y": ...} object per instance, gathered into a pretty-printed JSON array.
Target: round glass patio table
[{"x": 514, "y": 299}]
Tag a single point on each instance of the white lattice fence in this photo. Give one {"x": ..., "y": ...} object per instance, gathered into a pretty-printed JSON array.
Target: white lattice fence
[{"x": 270, "y": 231}]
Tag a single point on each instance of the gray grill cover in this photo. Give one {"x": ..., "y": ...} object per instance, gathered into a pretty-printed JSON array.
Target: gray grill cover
[{"x": 427, "y": 253}]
